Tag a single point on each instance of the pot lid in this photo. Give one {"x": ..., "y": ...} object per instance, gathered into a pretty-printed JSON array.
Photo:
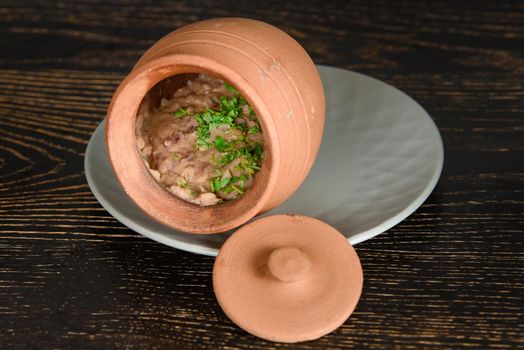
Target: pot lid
[{"x": 287, "y": 278}]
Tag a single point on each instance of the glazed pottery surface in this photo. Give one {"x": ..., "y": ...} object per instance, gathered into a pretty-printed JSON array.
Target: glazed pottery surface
[{"x": 270, "y": 69}]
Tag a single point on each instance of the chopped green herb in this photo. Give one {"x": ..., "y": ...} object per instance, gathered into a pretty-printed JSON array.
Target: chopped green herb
[
  {"x": 227, "y": 189},
  {"x": 210, "y": 119},
  {"x": 229, "y": 116},
  {"x": 219, "y": 184},
  {"x": 180, "y": 113},
  {"x": 230, "y": 88},
  {"x": 203, "y": 145},
  {"x": 183, "y": 184},
  {"x": 253, "y": 130},
  {"x": 221, "y": 144},
  {"x": 240, "y": 126},
  {"x": 237, "y": 189},
  {"x": 257, "y": 150}
]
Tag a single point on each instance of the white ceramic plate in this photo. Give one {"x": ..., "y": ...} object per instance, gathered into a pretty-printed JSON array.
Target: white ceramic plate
[{"x": 381, "y": 157}]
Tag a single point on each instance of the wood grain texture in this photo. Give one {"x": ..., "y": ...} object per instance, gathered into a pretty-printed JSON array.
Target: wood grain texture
[{"x": 449, "y": 276}]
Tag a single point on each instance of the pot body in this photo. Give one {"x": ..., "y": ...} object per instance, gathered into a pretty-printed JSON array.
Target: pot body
[{"x": 277, "y": 77}]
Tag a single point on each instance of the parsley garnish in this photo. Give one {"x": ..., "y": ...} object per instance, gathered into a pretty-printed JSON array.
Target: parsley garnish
[
  {"x": 253, "y": 130},
  {"x": 183, "y": 184},
  {"x": 230, "y": 88},
  {"x": 221, "y": 144},
  {"x": 180, "y": 113},
  {"x": 230, "y": 115},
  {"x": 217, "y": 183}
]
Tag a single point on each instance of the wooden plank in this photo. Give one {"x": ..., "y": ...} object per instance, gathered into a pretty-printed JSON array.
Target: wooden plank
[{"x": 449, "y": 276}]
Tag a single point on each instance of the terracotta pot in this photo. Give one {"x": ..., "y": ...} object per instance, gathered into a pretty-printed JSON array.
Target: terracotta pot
[{"x": 270, "y": 69}]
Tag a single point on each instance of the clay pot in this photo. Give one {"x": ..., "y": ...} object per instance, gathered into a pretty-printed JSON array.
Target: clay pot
[{"x": 270, "y": 69}]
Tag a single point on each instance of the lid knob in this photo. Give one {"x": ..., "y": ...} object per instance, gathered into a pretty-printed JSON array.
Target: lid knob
[{"x": 288, "y": 264}]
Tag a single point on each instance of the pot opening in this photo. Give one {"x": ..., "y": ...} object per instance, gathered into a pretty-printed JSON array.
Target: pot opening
[{"x": 200, "y": 139}]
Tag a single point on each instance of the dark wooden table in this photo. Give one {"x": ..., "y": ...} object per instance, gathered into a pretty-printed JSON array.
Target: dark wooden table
[{"x": 449, "y": 276}]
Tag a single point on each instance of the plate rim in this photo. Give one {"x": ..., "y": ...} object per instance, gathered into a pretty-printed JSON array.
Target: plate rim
[
  {"x": 432, "y": 183},
  {"x": 114, "y": 212}
]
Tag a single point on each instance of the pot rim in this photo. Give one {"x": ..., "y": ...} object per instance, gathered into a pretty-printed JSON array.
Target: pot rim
[{"x": 136, "y": 179}]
